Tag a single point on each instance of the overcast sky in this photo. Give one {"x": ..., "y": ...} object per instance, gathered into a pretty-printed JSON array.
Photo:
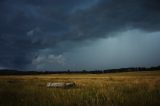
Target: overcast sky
[{"x": 79, "y": 34}]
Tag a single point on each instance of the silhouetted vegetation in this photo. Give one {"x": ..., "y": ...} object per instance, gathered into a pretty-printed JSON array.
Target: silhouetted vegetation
[{"x": 130, "y": 69}]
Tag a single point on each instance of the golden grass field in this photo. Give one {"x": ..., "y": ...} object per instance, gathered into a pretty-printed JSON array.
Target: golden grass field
[{"x": 114, "y": 89}]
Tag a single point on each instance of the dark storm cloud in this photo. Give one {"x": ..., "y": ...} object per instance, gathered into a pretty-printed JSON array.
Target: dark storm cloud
[
  {"x": 27, "y": 26},
  {"x": 112, "y": 15}
]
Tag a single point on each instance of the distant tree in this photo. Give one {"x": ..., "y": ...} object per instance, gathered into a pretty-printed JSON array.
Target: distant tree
[
  {"x": 68, "y": 71},
  {"x": 84, "y": 71}
]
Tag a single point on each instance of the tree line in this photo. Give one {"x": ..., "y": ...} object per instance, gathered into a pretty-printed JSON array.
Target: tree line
[{"x": 130, "y": 69}]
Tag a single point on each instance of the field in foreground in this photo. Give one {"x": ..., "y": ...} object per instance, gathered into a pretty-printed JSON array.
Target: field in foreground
[{"x": 117, "y": 89}]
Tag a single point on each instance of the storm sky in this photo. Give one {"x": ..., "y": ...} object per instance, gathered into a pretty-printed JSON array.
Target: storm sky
[{"x": 79, "y": 34}]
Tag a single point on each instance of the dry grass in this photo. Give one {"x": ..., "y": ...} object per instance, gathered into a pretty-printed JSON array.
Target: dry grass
[{"x": 119, "y": 89}]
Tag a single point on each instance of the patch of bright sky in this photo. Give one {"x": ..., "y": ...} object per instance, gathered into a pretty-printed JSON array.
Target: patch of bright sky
[{"x": 131, "y": 48}]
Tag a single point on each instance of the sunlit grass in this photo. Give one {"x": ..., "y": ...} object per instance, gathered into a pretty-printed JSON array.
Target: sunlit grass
[{"x": 119, "y": 89}]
